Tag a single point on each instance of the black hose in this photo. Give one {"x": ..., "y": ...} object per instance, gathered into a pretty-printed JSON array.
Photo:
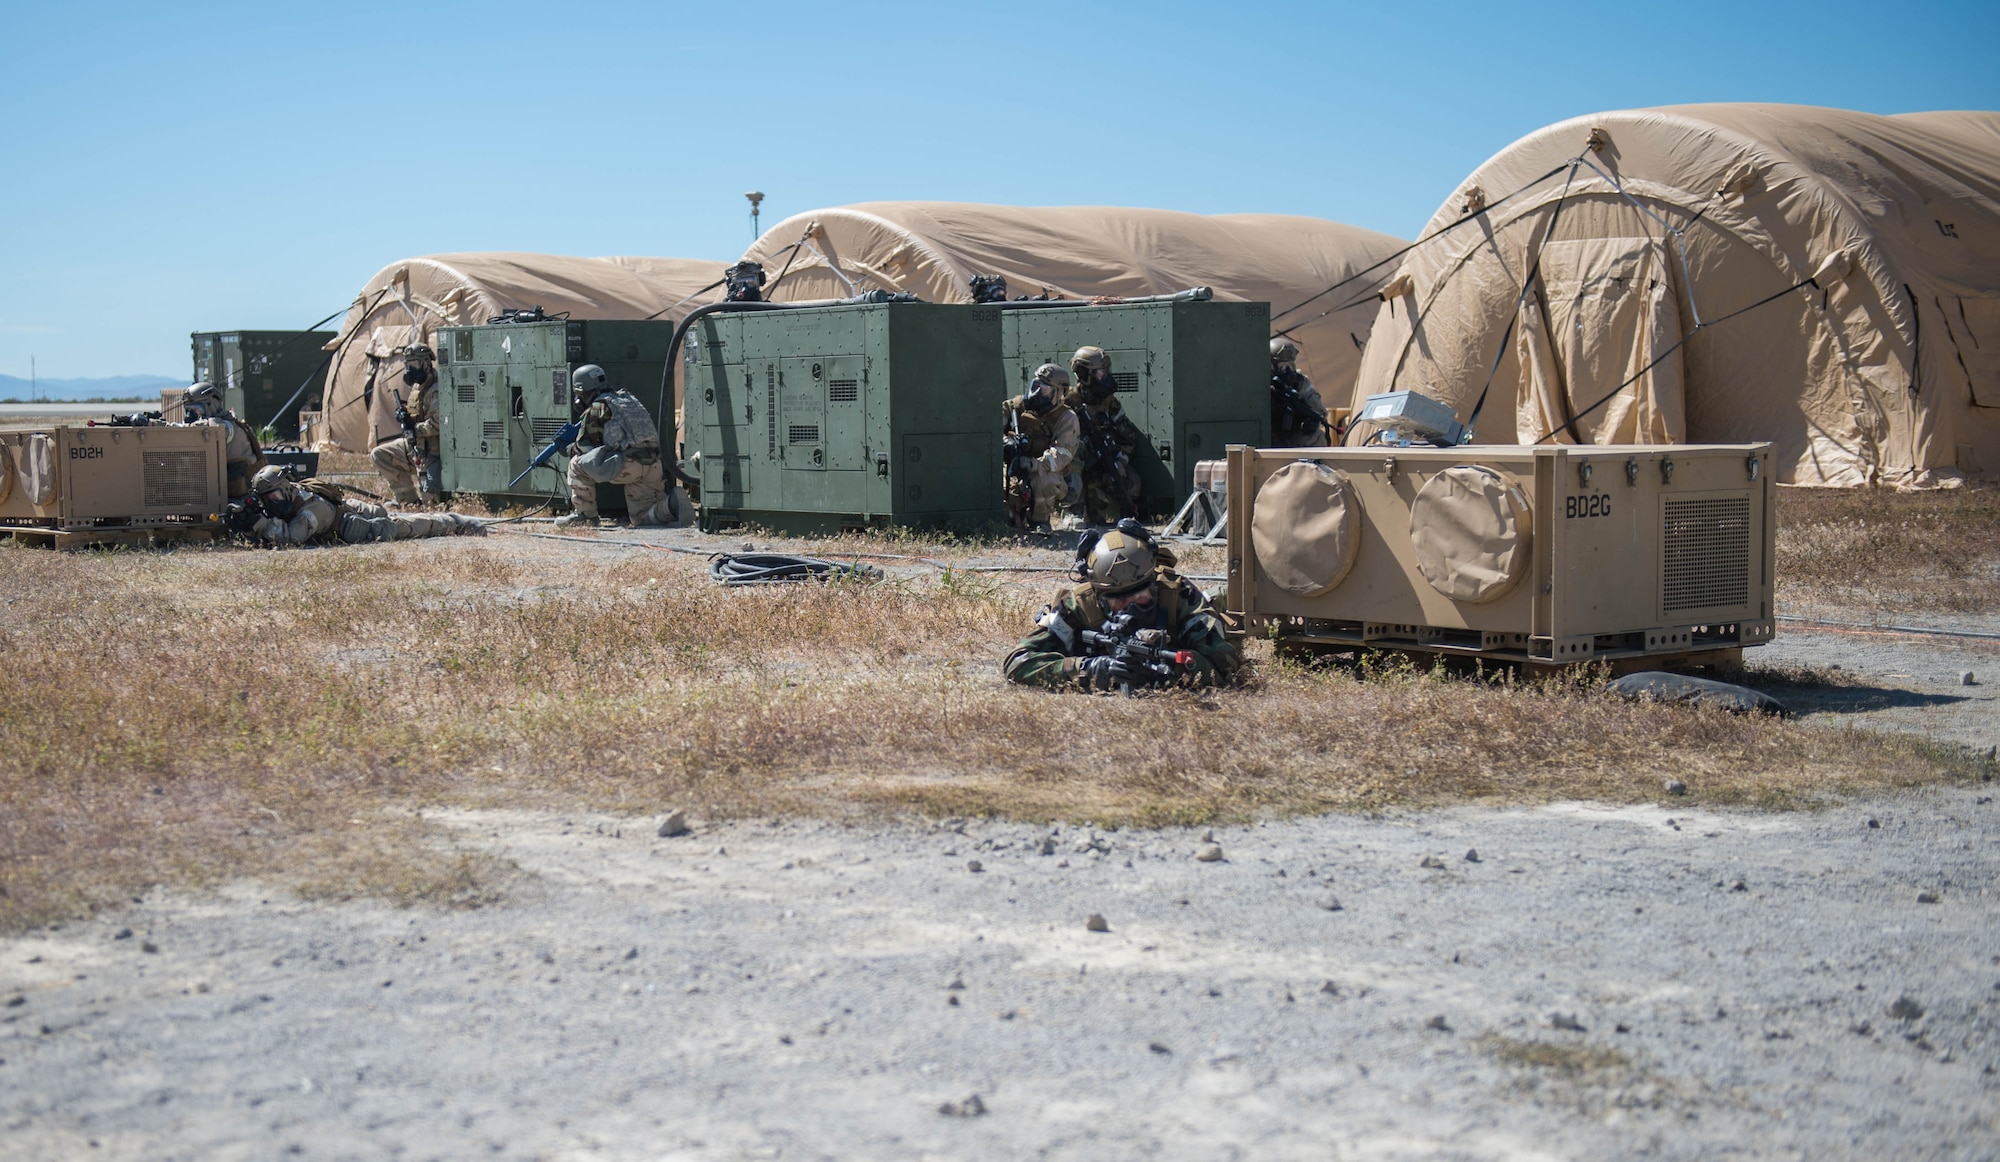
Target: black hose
[{"x": 734, "y": 570}]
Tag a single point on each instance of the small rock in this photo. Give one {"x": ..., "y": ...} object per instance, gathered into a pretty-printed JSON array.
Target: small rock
[
  {"x": 674, "y": 824},
  {"x": 1861, "y": 1028},
  {"x": 1430, "y": 861},
  {"x": 1207, "y": 835},
  {"x": 1048, "y": 846},
  {"x": 1566, "y": 1022},
  {"x": 1905, "y": 1009},
  {"x": 1330, "y": 988},
  {"x": 123, "y": 934},
  {"x": 1209, "y": 854},
  {"x": 1438, "y": 1023},
  {"x": 1929, "y": 897},
  {"x": 633, "y": 954},
  {"x": 971, "y": 1107},
  {"x": 1967, "y": 678},
  {"x": 1095, "y": 923},
  {"x": 16, "y": 1002},
  {"x": 1739, "y": 886},
  {"x": 1329, "y": 902},
  {"x": 1676, "y": 787},
  {"x": 1156, "y": 1047},
  {"x": 1472, "y": 855},
  {"x": 973, "y": 865},
  {"x": 148, "y": 946},
  {"x": 1874, "y": 823},
  {"x": 957, "y": 983},
  {"x": 1622, "y": 1027},
  {"x": 952, "y": 1000}
]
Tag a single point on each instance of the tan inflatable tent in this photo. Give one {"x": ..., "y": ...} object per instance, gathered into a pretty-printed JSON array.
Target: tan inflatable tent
[
  {"x": 406, "y": 301},
  {"x": 932, "y": 249},
  {"x": 1660, "y": 262}
]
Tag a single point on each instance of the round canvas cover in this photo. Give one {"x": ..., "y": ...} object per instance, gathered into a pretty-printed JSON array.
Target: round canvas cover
[
  {"x": 37, "y": 468},
  {"x": 1306, "y": 528},
  {"x": 1471, "y": 530}
]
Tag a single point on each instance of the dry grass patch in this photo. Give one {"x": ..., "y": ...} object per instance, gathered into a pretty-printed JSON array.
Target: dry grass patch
[
  {"x": 188, "y": 716},
  {"x": 1886, "y": 551}
]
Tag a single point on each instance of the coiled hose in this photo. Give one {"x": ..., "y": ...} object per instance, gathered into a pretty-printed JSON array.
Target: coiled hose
[{"x": 739, "y": 569}]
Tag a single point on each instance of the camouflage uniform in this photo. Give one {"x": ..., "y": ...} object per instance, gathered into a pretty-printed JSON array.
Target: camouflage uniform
[
  {"x": 1053, "y": 438},
  {"x": 618, "y": 421},
  {"x": 1050, "y": 655},
  {"x": 1290, "y": 429},
  {"x": 1111, "y": 485},
  {"x": 318, "y": 511},
  {"x": 414, "y": 469},
  {"x": 241, "y": 456}
]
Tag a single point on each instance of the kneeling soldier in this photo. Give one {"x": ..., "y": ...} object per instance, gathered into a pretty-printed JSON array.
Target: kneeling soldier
[
  {"x": 1138, "y": 624},
  {"x": 284, "y": 511},
  {"x": 1042, "y": 441},
  {"x": 619, "y": 444}
]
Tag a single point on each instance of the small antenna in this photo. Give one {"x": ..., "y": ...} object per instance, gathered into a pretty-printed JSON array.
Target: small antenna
[{"x": 756, "y": 199}]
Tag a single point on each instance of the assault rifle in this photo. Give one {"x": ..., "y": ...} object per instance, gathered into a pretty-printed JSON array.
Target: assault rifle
[
  {"x": 241, "y": 516},
  {"x": 565, "y": 436},
  {"x": 409, "y": 426},
  {"x": 1100, "y": 449},
  {"x": 1145, "y": 653},
  {"x": 135, "y": 420},
  {"x": 1293, "y": 412}
]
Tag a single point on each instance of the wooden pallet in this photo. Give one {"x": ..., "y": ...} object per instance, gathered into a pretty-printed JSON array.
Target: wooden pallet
[
  {"x": 124, "y": 536},
  {"x": 1618, "y": 661}
]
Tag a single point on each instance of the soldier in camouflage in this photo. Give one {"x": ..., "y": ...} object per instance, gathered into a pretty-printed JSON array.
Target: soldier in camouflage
[
  {"x": 1044, "y": 437},
  {"x": 619, "y": 445},
  {"x": 203, "y": 404},
  {"x": 1128, "y": 574},
  {"x": 411, "y": 462},
  {"x": 297, "y": 512},
  {"x": 1111, "y": 484},
  {"x": 1298, "y": 416}
]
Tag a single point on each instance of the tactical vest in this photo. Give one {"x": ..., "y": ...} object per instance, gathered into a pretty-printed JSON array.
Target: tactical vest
[
  {"x": 1040, "y": 431},
  {"x": 628, "y": 427}
]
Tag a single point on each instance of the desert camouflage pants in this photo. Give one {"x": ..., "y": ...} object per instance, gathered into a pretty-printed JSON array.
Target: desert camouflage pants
[
  {"x": 647, "y": 499},
  {"x": 1108, "y": 499},
  {"x": 361, "y": 523},
  {"x": 398, "y": 465}
]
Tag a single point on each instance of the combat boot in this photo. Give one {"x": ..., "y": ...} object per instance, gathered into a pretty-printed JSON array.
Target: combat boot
[{"x": 577, "y": 520}]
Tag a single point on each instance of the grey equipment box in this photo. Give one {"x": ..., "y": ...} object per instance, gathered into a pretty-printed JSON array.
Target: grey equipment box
[
  {"x": 503, "y": 393},
  {"x": 852, "y": 416},
  {"x": 1545, "y": 556},
  {"x": 259, "y": 370},
  {"x": 1194, "y": 376}
]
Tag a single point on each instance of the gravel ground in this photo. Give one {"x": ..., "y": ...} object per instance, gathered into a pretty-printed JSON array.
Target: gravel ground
[
  {"x": 1661, "y": 981},
  {"x": 1665, "y": 981}
]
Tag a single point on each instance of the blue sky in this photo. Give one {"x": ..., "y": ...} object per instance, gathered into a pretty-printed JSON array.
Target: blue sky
[{"x": 172, "y": 168}]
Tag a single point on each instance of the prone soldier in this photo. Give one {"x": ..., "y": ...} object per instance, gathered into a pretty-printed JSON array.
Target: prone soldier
[
  {"x": 1298, "y": 416},
  {"x": 283, "y": 511},
  {"x": 1110, "y": 485},
  {"x": 619, "y": 444},
  {"x": 1137, "y": 624},
  {"x": 242, "y": 457},
  {"x": 1042, "y": 442},
  {"x": 411, "y": 462}
]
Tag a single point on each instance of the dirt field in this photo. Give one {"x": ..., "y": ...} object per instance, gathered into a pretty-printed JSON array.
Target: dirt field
[{"x": 377, "y": 826}]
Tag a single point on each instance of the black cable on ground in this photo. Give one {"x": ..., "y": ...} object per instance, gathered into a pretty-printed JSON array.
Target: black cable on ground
[{"x": 733, "y": 570}]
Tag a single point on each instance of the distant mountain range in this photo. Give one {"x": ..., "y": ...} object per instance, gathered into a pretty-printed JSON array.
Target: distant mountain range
[{"x": 110, "y": 387}]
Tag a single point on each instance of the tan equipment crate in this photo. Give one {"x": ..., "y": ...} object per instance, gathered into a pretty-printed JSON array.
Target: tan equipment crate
[
  {"x": 1546, "y": 556},
  {"x": 92, "y": 477}
]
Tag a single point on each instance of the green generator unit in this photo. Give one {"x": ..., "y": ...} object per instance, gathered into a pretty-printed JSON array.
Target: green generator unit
[
  {"x": 503, "y": 394},
  {"x": 817, "y": 419},
  {"x": 258, "y": 371},
  {"x": 1195, "y": 376}
]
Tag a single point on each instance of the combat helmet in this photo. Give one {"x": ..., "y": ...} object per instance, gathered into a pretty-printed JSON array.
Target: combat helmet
[
  {"x": 1122, "y": 561},
  {"x": 1052, "y": 375},
  {"x": 204, "y": 398},
  {"x": 1088, "y": 359},
  {"x": 1283, "y": 350},
  {"x": 587, "y": 381}
]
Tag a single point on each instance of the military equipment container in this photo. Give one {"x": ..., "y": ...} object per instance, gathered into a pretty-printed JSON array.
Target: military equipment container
[
  {"x": 1544, "y": 556},
  {"x": 822, "y": 418},
  {"x": 1193, "y": 376},
  {"x": 76, "y": 478},
  {"x": 259, "y": 370},
  {"x": 503, "y": 392}
]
